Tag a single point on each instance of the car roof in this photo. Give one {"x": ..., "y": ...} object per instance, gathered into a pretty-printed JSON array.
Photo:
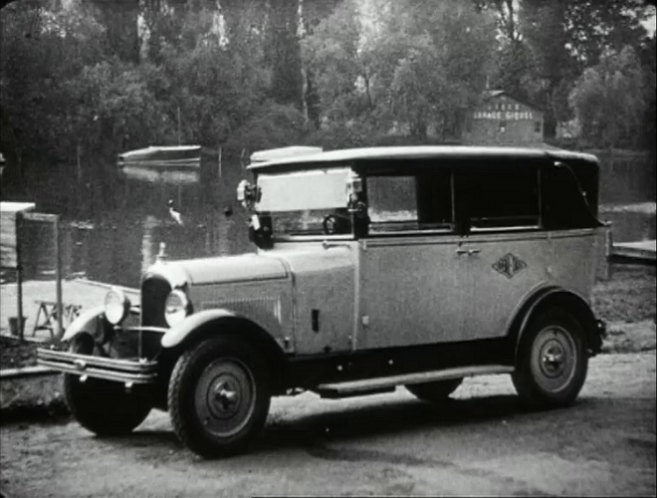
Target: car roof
[{"x": 364, "y": 155}]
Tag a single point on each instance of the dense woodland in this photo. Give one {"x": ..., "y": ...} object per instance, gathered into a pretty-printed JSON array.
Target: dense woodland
[{"x": 93, "y": 77}]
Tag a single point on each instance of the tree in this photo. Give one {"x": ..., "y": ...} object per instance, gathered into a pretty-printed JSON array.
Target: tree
[
  {"x": 312, "y": 14},
  {"x": 609, "y": 99},
  {"x": 566, "y": 36},
  {"x": 596, "y": 26},
  {"x": 406, "y": 66},
  {"x": 120, "y": 17},
  {"x": 284, "y": 52},
  {"x": 330, "y": 54},
  {"x": 506, "y": 13}
]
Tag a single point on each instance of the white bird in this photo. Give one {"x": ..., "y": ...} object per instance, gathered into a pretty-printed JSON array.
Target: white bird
[{"x": 177, "y": 217}]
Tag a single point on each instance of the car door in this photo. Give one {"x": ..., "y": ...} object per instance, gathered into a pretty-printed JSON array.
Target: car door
[
  {"x": 410, "y": 274},
  {"x": 504, "y": 248}
]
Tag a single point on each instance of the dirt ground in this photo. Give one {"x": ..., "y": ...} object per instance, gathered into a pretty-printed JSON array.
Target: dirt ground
[{"x": 482, "y": 442}]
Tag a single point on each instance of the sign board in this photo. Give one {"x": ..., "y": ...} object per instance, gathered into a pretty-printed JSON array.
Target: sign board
[
  {"x": 503, "y": 107},
  {"x": 9, "y": 212}
]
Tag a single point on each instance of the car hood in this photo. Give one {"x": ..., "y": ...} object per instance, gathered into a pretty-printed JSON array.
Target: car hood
[{"x": 224, "y": 269}]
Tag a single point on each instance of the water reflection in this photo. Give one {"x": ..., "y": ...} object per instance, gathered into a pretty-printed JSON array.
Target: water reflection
[{"x": 114, "y": 233}]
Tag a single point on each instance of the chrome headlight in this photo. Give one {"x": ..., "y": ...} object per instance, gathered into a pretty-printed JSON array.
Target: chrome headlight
[
  {"x": 176, "y": 307},
  {"x": 117, "y": 306}
]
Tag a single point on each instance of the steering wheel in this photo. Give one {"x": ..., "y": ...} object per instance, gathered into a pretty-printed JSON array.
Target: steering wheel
[{"x": 330, "y": 224}]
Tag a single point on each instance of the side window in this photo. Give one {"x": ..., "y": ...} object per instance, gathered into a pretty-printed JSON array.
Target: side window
[
  {"x": 411, "y": 203},
  {"x": 392, "y": 203},
  {"x": 500, "y": 197}
]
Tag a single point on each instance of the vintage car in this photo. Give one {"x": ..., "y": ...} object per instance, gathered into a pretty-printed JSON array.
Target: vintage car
[{"x": 375, "y": 268}]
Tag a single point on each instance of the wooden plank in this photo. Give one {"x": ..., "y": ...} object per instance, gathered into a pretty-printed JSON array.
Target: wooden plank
[
  {"x": 646, "y": 249},
  {"x": 9, "y": 212},
  {"x": 43, "y": 217}
]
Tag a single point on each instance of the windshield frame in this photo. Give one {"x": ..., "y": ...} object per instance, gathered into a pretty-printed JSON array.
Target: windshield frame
[{"x": 310, "y": 174}]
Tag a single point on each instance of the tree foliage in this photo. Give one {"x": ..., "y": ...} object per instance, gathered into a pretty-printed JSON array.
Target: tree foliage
[
  {"x": 609, "y": 97},
  {"x": 418, "y": 66},
  {"x": 97, "y": 77}
]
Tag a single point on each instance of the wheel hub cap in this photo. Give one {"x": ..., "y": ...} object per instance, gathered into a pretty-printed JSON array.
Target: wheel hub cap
[
  {"x": 225, "y": 397},
  {"x": 554, "y": 358}
]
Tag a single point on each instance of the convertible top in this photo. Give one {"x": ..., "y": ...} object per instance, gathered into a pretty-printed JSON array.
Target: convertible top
[{"x": 365, "y": 155}]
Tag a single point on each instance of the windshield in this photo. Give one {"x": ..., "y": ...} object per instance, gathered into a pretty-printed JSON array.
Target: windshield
[{"x": 306, "y": 202}]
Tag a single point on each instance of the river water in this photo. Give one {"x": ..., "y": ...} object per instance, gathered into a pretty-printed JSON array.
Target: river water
[{"x": 111, "y": 229}]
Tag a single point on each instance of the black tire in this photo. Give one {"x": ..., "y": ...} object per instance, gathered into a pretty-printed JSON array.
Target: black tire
[
  {"x": 435, "y": 392},
  {"x": 219, "y": 396},
  {"x": 104, "y": 407},
  {"x": 101, "y": 406},
  {"x": 552, "y": 360}
]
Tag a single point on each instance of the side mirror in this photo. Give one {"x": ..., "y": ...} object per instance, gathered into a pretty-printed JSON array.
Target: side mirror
[{"x": 247, "y": 195}]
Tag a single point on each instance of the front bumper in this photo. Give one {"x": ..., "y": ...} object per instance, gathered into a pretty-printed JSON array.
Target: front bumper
[
  {"x": 129, "y": 371},
  {"x": 136, "y": 372},
  {"x": 135, "y": 364}
]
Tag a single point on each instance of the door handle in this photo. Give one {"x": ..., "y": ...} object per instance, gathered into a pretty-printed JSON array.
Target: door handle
[{"x": 469, "y": 252}]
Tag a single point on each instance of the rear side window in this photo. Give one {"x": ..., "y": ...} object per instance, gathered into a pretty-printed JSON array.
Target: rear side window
[{"x": 493, "y": 198}]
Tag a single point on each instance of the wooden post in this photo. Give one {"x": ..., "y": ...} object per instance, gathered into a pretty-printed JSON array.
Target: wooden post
[
  {"x": 78, "y": 162},
  {"x": 178, "y": 125},
  {"x": 219, "y": 161},
  {"x": 58, "y": 278},
  {"x": 19, "y": 276}
]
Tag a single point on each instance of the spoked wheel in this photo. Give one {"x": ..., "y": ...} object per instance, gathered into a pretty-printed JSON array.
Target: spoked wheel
[
  {"x": 553, "y": 361},
  {"x": 218, "y": 397},
  {"x": 435, "y": 392},
  {"x": 101, "y": 406}
]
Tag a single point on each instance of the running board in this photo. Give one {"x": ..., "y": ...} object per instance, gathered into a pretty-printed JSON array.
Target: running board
[{"x": 388, "y": 384}]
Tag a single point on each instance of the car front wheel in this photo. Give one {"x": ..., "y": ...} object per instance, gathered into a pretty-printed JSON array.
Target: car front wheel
[
  {"x": 101, "y": 406},
  {"x": 218, "y": 396},
  {"x": 104, "y": 407},
  {"x": 552, "y": 360}
]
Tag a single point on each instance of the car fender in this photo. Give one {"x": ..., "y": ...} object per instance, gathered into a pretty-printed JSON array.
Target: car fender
[
  {"x": 574, "y": 303},
  {"x": 86, "y": 322},
  {"x": 176, "y": 335}
]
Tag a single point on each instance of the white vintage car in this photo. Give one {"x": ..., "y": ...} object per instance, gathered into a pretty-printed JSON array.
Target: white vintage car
[{"x": 376, "y": 267}]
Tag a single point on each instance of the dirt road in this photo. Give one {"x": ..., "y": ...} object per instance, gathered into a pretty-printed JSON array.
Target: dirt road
[{"x": 482, "y": 442}]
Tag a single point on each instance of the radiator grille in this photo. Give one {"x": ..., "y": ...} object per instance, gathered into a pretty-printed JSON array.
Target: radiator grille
[{"x": 154, "y": 292}]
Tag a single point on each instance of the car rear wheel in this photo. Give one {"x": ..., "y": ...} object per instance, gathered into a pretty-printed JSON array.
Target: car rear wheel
[
  {"x": 552, "y": 360},
  {"x": 218, "y": 396},
  {"x": 435, "y": 391}
]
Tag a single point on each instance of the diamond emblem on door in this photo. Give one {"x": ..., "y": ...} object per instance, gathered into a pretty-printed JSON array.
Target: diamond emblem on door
[{"x": 509, "y": 264}]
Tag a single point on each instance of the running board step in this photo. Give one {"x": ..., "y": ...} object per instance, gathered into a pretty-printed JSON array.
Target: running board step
[{"x": 388, "y": 384}]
